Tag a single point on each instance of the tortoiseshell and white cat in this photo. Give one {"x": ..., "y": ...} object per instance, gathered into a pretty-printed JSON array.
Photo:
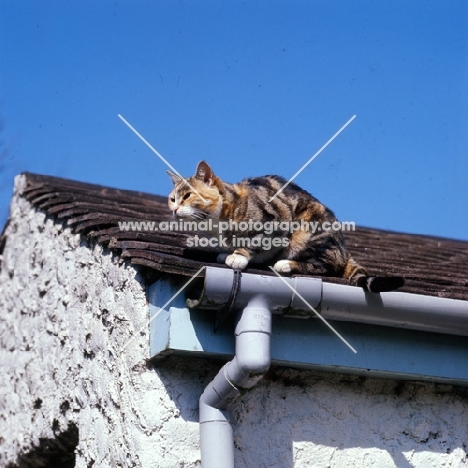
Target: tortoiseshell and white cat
[{"x": 321, "y": 253}]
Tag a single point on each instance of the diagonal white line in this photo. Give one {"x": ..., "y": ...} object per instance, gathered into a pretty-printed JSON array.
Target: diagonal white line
[
  {"x": 312, "y": 158},
  {"x": 164, "y": 306},
  {"x": 160, "y": 156},
  {"x": 313, "y": 310}
]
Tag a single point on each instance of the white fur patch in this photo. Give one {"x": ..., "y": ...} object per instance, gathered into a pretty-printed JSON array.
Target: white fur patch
[
  {"x": 236, "y": 261},
  {"x": 283, "y": 266}
]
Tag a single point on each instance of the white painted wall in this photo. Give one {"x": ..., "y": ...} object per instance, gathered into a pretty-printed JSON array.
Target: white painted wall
[{"x": 68, "y": 308}]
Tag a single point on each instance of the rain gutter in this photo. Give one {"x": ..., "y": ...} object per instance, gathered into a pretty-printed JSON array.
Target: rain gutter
[{"x": 338, "y": 302}]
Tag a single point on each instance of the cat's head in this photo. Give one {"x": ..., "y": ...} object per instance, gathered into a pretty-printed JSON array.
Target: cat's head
[{"x": 198, "y": 196}]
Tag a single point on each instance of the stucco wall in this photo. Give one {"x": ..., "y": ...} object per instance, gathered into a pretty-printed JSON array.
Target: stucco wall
[{"x": 67, "y": 309}]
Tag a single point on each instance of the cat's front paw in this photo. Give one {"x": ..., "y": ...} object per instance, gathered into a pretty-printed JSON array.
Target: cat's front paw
[
  {"x": 283, "y": 266},
  {"x": 236, "y": 261}
]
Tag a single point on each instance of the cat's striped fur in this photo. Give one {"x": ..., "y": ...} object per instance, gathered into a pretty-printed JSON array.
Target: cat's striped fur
[{"x": 321, "y": 253}]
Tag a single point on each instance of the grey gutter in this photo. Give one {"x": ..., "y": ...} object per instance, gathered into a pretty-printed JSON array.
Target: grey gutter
[{"x": 338, "y": 302}]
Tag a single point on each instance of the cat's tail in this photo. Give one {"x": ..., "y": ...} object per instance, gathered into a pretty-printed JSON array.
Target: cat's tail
[
  {"x": 358, "y": 276},
  {"x": 378, "y": 284}
]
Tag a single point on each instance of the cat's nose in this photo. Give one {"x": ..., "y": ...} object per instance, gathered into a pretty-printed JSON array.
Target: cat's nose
[{"x": 175, "y": 209}]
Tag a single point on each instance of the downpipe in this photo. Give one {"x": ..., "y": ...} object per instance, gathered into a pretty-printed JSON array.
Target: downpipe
[{"x": 245, "y": 370}]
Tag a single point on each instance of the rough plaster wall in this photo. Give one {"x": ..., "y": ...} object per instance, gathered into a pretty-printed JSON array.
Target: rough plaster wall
[
  {"x": 327, "y": 420},
  {"x": 66, "y": 311}
]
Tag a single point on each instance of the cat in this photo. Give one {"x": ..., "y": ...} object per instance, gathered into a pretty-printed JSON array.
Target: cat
[{"x": 322, "y": 253}]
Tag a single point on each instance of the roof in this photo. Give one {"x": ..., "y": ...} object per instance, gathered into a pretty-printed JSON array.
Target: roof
[{"x": 431, "y": 266}]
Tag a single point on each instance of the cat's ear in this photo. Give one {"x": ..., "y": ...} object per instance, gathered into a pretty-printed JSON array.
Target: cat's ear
[
  {"x": 204, "y": 173},
  {"x": 174, "y": 177}
]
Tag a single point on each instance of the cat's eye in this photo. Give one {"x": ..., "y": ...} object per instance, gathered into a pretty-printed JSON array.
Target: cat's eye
[
  {"x": 173, "y": 199},
  {"x": 186, "y": 196}
]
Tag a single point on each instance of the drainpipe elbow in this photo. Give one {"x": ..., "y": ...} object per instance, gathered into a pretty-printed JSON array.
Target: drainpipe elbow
[
  {"x": 218, "y": 396},
  {"x": 248, "y": 367}
]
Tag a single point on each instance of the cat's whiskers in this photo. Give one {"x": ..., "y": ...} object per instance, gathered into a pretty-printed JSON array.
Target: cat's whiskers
[
  {"x": 198, "y": 214},
  {"x": 195, "y": 214}
]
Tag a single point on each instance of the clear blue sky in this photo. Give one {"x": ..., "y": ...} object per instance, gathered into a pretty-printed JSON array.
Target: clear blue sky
[{"x": 254, "y": 88}]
